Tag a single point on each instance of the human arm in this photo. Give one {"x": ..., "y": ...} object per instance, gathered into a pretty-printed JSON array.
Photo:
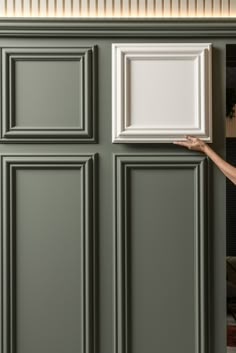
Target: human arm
[{"x": 196, "y": 144}]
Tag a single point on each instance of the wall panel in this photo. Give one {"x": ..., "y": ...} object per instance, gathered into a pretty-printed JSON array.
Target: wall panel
[
  {"x": 145, "y": 195},
  {"x": 48, "y": 94},
  {"x": 47, "y": 253},
  {"x": 161, "y": 237},
  {"x": 176, "y": 75}
]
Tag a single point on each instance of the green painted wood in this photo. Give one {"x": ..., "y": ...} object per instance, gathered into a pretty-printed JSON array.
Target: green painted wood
[
  {"x": 102, "y": 310},
  {"x": 113, "y": 27},
  {"x": 48, "y": 94},
  {"x": 44, "y": 82},
  {"x": 161, "y": 231},
  {"x": 48, "y": 253}
]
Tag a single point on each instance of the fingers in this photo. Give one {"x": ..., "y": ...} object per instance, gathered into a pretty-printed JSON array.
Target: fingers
[
  {"x": 190, "y": 138},
  {"x": 191, "y": 141},
  {"x": 182, "y": 143}
]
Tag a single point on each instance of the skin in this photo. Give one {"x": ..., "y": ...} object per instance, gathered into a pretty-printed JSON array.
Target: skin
[{"x": 193, "y": 143}]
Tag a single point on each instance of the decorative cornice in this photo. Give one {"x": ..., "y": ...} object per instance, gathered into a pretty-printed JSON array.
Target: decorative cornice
[{"x": 113, "y": 27}]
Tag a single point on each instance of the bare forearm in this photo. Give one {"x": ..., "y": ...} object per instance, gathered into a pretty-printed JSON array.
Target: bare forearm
[
  {"x": 226, "y": 168},
  {"x": 193, "y": 143}
]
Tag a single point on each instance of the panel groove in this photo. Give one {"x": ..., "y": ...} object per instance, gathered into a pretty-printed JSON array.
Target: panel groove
[
  {"x": 123, "y": 165},
  {"x": 9, "y": 165}
]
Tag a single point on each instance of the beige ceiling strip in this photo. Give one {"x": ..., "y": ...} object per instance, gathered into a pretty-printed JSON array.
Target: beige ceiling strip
[{"x": 117, "y": 8}]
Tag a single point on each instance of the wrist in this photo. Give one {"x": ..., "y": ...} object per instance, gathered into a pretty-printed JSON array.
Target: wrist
[{"x": 205, "y": 148}]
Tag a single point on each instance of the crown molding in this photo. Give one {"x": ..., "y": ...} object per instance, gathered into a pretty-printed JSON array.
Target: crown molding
[{"x": 113, "y": 27}]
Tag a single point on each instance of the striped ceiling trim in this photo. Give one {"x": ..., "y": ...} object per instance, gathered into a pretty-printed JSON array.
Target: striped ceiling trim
[{"x": 118, "y": 8}]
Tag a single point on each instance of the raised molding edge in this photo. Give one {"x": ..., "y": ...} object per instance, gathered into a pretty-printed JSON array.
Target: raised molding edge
[
  {"x": 9, "y": 163},
  {"x": 86, "y": 134},
  {"x": 122, "y": 53},
  {"x": 106, "y": 28},
  {"x": 122, "y": 164}
]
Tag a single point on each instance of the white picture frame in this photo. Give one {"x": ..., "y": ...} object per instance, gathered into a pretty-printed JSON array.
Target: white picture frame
[{"x": 161, "y": 92}]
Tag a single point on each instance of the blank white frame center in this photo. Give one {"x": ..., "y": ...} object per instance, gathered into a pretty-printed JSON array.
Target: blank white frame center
[{"x": 161, "y": 92}]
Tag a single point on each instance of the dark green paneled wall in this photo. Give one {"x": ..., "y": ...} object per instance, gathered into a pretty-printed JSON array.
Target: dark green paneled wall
[{"x": 122, "y": 253}]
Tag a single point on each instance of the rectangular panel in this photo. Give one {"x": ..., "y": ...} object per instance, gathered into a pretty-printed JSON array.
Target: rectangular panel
[
  {"x": 161, "y": 269},
  {"x": 47, "y": 94},
  {"x": 148, "y": 78},
  {"x": 47, "y": 253}
]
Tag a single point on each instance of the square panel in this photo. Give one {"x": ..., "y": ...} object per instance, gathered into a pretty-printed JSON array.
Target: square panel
[
  {"x": 161, "y": 92},
  {"x": 47, "y": 94}
]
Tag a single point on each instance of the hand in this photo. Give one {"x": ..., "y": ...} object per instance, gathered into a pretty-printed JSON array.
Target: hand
[{"x": 192, "y": 143}]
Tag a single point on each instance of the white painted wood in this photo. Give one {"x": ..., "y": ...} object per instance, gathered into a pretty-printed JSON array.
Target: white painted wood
[
  {"x": 200, "y": 8},
  {"x": 35, "y": 8},
  {"x": 2, "y": 8},
  {"x": 26, "y": 8},
  {"x": 67, "y": 9},
  {"x": 60, "y": 11},
  {"x": 18, "y": 11},
  {"x": 217, "y": 7},
  {"x": 41, "y": 8},
  {"x": 104, "y": 8},
  {"x": 9, "y": 8},
  {"x": 109, "y": 9},
  {"x": 92, "y": 8},
  {"x": 125, "y": 8},
  {"x": 192, "y": 8},
  {"x": 167, "y": 8},
  {"x": 134, "y": 8},
  {"x": 232, "y": 8},
  {"x": 225, "y": 8},
  {"x": 150, "y": 7},
  {"x": 117, "y": 8},
  {"x": 101, "y": 7},
  {"x": 159, "y": 8},
  {"x": 184, "y": 8},
  {"x": 76, "y": 11},
  {"x": 85, "y": 9},
  {"x": 208, "y": 8},
  {"x": 143, "y": 8},
  {"x": 175, "y": 8},
  {"x": 161, "y": 92},
  {"x": 51, "y": 8}
]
